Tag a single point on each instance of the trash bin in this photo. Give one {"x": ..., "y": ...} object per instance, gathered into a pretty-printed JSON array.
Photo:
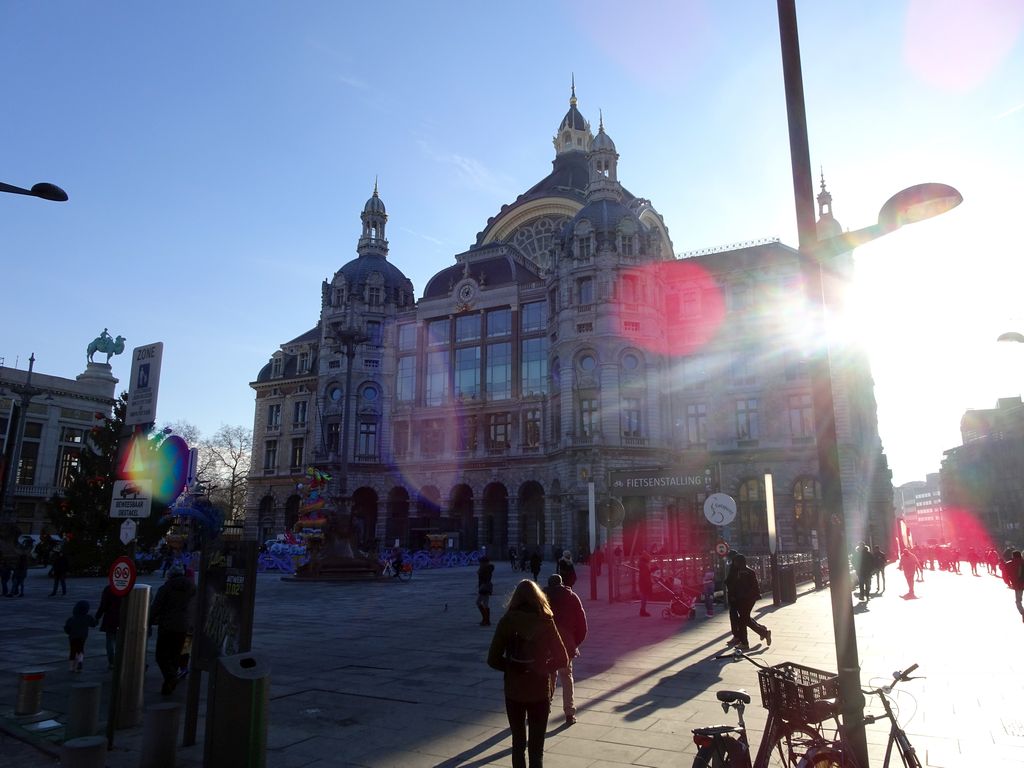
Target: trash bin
[
  {"x": 236, "y": 712},
  {"x": 787, "y": 584}
]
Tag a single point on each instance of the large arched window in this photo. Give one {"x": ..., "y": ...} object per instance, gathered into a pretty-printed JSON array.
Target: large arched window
[
  {"x": 806, "y": 503},
  {"x": 752, "y": 516}
]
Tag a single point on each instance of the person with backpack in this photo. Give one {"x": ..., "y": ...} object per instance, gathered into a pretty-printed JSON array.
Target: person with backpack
[
  {"x": 526, "y": 648},
  {"x": 571, "y": 620},
  {"x": 742, "y": 597},
  {"x": 566, "y": 569}
]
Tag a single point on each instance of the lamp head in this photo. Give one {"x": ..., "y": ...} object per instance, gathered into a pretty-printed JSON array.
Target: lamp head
[
  {"x": 917, "y": 203},
  {"x": 1011, "y": 336}
]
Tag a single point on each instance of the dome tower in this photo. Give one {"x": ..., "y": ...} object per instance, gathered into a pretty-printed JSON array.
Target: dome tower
[
  {"x": 375, "y": 217},
  {"x": 574, "y": 131}
]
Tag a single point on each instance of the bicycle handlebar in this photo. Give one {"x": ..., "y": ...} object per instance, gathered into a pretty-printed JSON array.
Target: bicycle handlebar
[
  {"x": 736, "y": 652},
  {"x": 904, "y": 674}
]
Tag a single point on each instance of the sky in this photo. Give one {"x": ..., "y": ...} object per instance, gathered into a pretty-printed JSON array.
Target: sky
[{"x": 217, "y": 157}]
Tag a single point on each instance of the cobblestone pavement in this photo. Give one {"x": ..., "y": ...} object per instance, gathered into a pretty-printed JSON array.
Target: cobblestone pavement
[{"x": 390, "y": 674}]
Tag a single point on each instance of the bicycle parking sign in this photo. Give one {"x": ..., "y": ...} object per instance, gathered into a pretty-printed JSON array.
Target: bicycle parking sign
[{"x": 122, "y": 576}]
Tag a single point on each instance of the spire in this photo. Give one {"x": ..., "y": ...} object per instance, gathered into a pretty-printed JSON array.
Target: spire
[
  {"x": 600, "y": 121},
  {"x": 824, "y": 198},
  {"x": 572, "y": 97},
  {"x": 574, "y": 131},
  {"x": 827, "y": 225},
  {"x": 375, "y": 217},
  {"x": 603, "y": 161},
  {"x": 375, "y": 185}
]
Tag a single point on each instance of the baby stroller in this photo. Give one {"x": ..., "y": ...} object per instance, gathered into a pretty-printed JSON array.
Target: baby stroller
[{"x": 682, "y": 599}]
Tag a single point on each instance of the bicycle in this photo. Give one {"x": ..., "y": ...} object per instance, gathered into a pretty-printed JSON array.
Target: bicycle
[
  {"x": 796, "y": 698},
  {"x": 403, "y": 572},
  {"x": 835, "y": 755}
]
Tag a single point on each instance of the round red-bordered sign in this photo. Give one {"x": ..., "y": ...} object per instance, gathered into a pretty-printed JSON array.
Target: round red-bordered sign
[
  {"x": 722, "y": 548},
  {"x": 122, "y": 576}
]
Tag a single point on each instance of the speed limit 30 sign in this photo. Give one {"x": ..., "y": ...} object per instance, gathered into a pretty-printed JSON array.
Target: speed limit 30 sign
[{"x": 122, "y": 576}]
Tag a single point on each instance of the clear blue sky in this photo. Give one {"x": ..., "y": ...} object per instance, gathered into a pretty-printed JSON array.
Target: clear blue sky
[{"x": 217, "y": 156}]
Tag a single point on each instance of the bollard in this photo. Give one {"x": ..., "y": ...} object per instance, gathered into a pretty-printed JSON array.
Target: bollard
[
  {"x": 83, "y": 711},
  {"x": 84, "y": 752},
  {"x": 30, "y": 692},
  {"x": 134, "y": 621},
  {"x": 236, "y": 712},
  {"x": 159, "y": 736}
]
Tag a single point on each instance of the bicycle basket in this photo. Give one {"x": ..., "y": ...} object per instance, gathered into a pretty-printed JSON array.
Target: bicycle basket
[{"x": 789, "y": 690}]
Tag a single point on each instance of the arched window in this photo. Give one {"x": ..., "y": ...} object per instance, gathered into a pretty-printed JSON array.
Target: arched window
[
  {"x": 806, "y": 503},
  {"x": 752, "y": 515}
]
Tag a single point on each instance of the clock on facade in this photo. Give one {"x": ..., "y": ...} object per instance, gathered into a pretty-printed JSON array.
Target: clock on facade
[{"x": 466, "y": 290}]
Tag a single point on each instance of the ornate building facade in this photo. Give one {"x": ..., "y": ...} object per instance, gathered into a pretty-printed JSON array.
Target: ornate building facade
[{"x": 567, "y": 344}]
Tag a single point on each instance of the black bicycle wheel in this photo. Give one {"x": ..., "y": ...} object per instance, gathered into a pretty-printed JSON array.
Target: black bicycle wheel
[
  {"x": 727, "y": 753},
  {"x": 791, "y": 744},
  {"x": 826, "y": 757}
]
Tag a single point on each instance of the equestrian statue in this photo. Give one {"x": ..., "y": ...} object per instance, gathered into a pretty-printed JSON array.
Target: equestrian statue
[{"x": 104, "y": 343}]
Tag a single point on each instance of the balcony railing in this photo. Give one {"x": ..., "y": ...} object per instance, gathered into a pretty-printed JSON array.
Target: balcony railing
[
  {"x": 36, "y": 491},
  {"x": 634, "y": 442},
  {"x": 582, "y": 441}
]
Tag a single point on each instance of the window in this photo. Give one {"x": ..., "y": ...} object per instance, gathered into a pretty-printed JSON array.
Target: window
[
  {"x": 400, "y": 435},
  {"x": 630, "y": 362},
  {"x": 583, "y": 247},
  {"x": 801, "y": 416},
  {"x": 531, "y": 427},
  {"x": 432, "y": 439},
  {"x": 407, "y": 337},
  {"x": 585, "y": 291},
  {"x": 370, "y": 394},
  {"x": 499, "y": 322},
  {"x": 371, "y": 364},
  {"x": 741, "y": 297},
  {"x": 556, "y": 419},
  {"x": 631, "y": 417},
  {"x": 276, "y": 367},
  {"x": 274, "y": 416},
  {"x": 626, "y": 248},
  {"x": 467, "y": 372},
  {"x": 587, "y": 363},
  {"x": 28, "y": 461},
  {"x": 697, "y": 423},
  {"x": 332, "y": 364},
  {"x": 631, "y": 326},
  {"x": 373, "y": 333},
  {"x": 535, "y": 367},
  {"x": 68, "y": 461},
  {"x": 375, "y": 296},
  {"x": 303, "y": 362},
  {"x": 534, "y": 316},
  {"x": 806, "y": 498},
  {"x": 498, "y": 431},
  {"x": 437, "y": 377},
  {"x": 747, "y": 427},
  {"x": 299, "y": 414},
  {"x": 589, "y": 421},
  {"x": 630, "y": 286},
  {"x": 466, "y": 435},
  {"x": 743, "y": 369},
  {"x": 270, "y": 455},
  {"x": 751, "y": 514},
  {"x": 584, "y": 327},
  {"x": 367, "y": 445},
  {"x": 333, "y": 437},
  {"x": 68, "y": 434},
  {"x": 437, "y": 332},
  {"x": 553, "y": 300},
  {"x": 691, "y": 304},
  {"x": 467, "y": 328},
  {"x": 796, "y": 367},
  {"x": 499, "y": 371},
  {"x": 406, "y": 380},
  {"x": 298, "y": 448}
]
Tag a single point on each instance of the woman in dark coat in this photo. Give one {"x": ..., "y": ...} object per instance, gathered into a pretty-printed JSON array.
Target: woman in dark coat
[
  {"x": 109, "y": 615},
  {"x": 526, "y": 647},
  {"x": 484, "y": 589}
]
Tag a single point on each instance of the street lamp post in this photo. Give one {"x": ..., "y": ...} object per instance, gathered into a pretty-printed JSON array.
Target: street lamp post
[
  {"x": 906, "y": 207},
  {"x": 43, "y": 190},
  {"x": 25, "y": 392}
]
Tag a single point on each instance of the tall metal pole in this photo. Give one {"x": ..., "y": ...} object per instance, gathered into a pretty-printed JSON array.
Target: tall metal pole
[
  {"x": 25, "y": 394},
  {"x": 850, "y": 695}
]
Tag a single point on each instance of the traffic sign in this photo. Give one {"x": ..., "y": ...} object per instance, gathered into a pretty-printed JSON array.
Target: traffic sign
[
  {"x": 145, "y": 383},
  {"x": 720, "y": 509},
  {"x": 722, "y": 548},
  {"x": 122, "y": 576},
  {"x": 132, "y": 498},
  {"x": 128, "y": 528}
]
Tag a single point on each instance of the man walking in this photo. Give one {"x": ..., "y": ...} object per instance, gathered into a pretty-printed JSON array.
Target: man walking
[
  {"x": 571, "y": 620},
  {"x": 172, "y": 613},
  {"x": 1015, "y": 571},
  {"x": 59, "y": 572},
  {"x": 742, "y": 597},
  {"x": 880, "y": 562},
  {"x": 909, "y": 564}
]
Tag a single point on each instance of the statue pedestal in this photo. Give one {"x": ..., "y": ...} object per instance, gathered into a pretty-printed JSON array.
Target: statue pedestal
[{"x": 99, "y": 378}]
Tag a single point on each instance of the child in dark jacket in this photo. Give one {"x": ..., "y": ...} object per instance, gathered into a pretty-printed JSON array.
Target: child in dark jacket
[{"x": 77, "y": 630}]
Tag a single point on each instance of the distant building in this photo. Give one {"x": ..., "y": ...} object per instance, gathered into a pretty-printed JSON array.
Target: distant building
[
  {"x": 568, "y": 344},
  {"x": 983, "y": 479},
  {"x": 56, "y": 424},
  {"x": 919, "y": 504}
]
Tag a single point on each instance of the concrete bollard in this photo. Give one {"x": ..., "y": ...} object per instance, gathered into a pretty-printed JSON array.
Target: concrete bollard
[
  {"x": 134, "y": 621},
  {"x": 159, "y": 735},
  {"x": 236, "y": 712},
  {"x": 83, "y": 711},
  {"x": 84, "y": 752},
  {"x": 30, "y": 692}
]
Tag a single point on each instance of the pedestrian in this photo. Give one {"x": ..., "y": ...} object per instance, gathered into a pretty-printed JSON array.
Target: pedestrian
[
  {"x": 77, "y": 630},
  {"x": 58, "y": 572},
  {"x": 18, "y": 576},
  {"x": 512, "y": 559},
  {"x": 5, "y": 575},
  {"x": 862, "y": 562},
  {"x": 526, "y": 647},
  {"x": 972, "y": 559},
  {"x": 566, "y": 569},
  {"x": 742, "y": 597},
  {"x": 571, "y": 620},
  {"x": 171, "y": 612},
  {"x": 879, "y": 565},
  {"x": 909, "y": 564},
  {"x": 484, "y": 589},
  {"x": 708, "y": 592},
  {"x": 524, "y": 557},
  {"x": 535, "y": 563},
  {"x": 598, "y": 560},
  {"x": 1015, "y": 569},
  {"x": 731, "y": 570},
  {"x": 109, "y": 616},
  {"x": 643, "y": 581}
]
